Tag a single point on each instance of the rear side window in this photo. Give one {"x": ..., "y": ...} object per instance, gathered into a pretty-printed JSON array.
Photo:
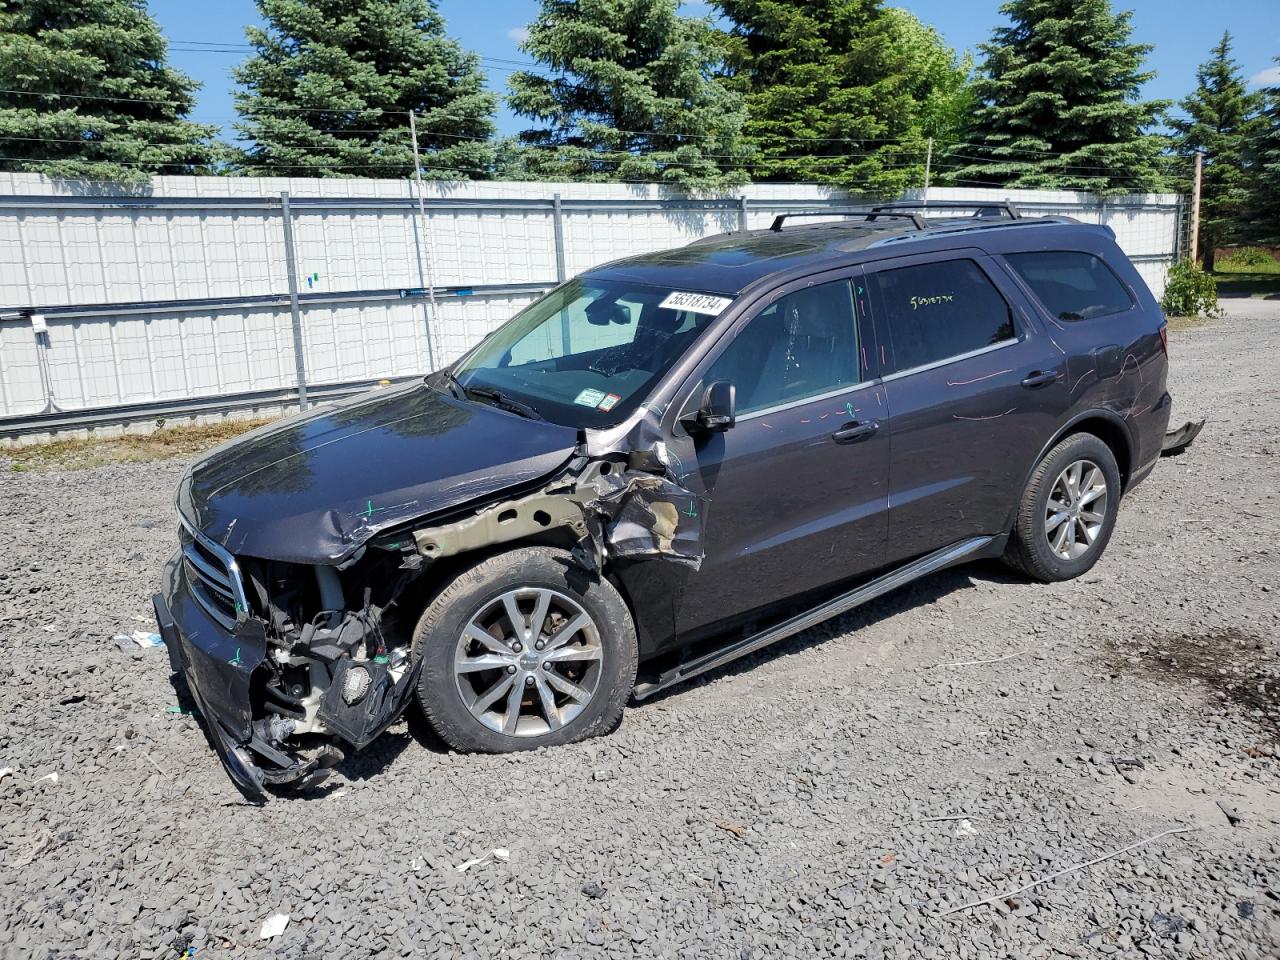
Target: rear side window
[
  {"x": 1072, "y": 285},
  {"x": 935, "y": 311}
]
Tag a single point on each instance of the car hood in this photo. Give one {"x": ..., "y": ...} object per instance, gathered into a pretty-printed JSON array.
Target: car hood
[{"x": 314, "y": 487}]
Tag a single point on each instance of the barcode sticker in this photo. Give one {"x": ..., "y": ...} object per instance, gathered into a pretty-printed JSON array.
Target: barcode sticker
[{"x": 695, "y": 303}]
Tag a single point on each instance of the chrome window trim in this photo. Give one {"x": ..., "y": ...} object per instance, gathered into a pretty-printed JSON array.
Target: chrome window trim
[
  {"x": 227, "y": 560},
  {"x": 991, "y": 348},
  {"x": 791, "y": 404}
]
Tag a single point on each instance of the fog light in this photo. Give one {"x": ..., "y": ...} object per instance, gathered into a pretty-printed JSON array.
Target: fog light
[{"x": 355, "y": 685}]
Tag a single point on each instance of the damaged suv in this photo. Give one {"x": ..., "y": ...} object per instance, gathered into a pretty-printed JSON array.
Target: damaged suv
[{"x": 664, "y": 464}]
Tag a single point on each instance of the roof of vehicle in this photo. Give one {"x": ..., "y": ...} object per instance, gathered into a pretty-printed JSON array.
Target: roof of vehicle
[{"x": 728, "y": 263}]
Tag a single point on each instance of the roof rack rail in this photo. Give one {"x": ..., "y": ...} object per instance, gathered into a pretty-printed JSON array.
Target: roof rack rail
[
  {"x": 869, "y": 214},
  {"x": 981, "y": 208}
]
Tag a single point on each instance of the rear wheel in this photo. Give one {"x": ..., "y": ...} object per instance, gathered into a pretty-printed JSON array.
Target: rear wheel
[
  {"x": 519, "y": 652},
  {"x": 1068, "y": 510}
]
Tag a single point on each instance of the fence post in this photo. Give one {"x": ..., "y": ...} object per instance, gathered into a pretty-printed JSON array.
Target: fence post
[
  {"x": 40, "y": 330},
  {"x": 1195, "y": 207},
  {"x": 296, "y": 314},
  {"x": 742, "y": 212},
  {"x": 557, "y": 223},
  {"x": 433, "y": 310}
]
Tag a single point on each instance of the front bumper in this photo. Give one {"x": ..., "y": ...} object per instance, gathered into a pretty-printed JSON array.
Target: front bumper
[
  {"x": 218, "y": 668},
  {"x": 230, "y": 678}
]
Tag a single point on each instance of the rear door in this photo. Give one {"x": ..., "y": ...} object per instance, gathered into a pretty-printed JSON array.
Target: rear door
[
  {"x": 797, "y": 488},
  {"x": 974, "y": 390}
]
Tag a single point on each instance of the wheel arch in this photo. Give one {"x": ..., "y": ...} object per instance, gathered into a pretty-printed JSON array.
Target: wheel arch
[{"x": 1107, "y": 426}]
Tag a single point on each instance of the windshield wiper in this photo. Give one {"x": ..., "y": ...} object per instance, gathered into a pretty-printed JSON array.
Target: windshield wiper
[
  {"x": 455, "y": 385},
  {"x": 502, "y": 401}
]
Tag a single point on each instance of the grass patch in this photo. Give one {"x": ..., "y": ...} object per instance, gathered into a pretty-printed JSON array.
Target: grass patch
[
  {"x": 167, "y": 443},
  {"x": 1180, "y": 324},
  {"x": 1252, "y": 282}
]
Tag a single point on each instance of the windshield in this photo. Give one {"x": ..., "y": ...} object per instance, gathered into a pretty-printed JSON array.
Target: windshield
[{"x": 589, "y": 352}]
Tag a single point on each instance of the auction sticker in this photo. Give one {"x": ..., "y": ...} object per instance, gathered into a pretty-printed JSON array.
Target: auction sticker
[
  {"x": 695, "y": 302},
  {"x": 589, "y": 397},
  {"x": 608, "y": 402}
]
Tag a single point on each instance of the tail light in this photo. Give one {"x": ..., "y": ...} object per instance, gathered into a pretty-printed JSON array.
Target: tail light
[{"x": 1164, "y": 338}]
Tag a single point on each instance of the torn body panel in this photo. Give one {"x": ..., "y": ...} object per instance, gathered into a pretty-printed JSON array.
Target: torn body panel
[{"x": 1175, "y": 441}]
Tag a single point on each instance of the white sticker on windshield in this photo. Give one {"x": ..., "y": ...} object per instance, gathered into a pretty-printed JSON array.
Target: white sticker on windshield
[
  {"x": 589, "y": 397},
  {"x": 695, "y": 302}
]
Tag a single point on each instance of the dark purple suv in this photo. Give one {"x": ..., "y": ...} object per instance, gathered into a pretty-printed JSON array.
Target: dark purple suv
[{"x": 663, "y": 464}]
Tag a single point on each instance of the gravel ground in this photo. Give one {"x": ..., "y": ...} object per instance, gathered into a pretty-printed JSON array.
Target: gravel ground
[{"x": 807, "y": 803}]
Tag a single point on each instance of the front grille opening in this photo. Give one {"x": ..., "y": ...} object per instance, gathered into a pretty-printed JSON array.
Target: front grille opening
[{"x": 213, "y": 584}]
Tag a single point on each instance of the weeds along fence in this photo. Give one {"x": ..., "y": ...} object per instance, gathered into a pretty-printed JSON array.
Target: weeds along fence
[{"x": 200, "y": 295}]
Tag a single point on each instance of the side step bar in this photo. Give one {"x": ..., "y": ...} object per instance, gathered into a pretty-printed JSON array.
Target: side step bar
[{"x": 930, "y": 563}]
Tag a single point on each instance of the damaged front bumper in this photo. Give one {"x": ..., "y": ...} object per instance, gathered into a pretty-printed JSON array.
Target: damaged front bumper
[{"x": 233, "y": 677}]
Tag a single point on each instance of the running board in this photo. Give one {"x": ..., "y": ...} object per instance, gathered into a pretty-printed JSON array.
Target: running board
[{"x": 930, "y": 563}]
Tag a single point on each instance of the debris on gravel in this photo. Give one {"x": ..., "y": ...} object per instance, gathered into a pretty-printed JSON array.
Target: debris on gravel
[{"x": 849, "y": 793}]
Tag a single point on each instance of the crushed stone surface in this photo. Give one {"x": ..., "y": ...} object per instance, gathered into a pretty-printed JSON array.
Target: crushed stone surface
[{"x": 833, "y": 796}]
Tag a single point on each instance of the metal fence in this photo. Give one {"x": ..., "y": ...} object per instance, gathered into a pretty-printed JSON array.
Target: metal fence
[{"x": 204, "y": 294}]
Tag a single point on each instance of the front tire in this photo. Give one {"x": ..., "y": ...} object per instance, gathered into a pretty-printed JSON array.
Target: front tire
[
  {"x": 1067, "y": 512},
  {"x": 522, "y": 651}
]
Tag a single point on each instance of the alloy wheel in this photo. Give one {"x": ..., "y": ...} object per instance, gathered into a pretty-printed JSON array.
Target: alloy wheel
[
  {"x": 528, "y": 662},
  {"x": 1077, "y": 510}
]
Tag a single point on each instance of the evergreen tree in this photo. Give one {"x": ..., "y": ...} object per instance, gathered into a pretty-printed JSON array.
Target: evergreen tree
[
  {"x": 95, "y": 99},
  {"x": 1059, "y": 103},
  {"x": 938, "y": 80},
  {"x": 633, "y": 94},
  {"x": 331, "y": 84},
  {"x": 1222, "y": 120},
  {"x": 842, "y": 91},
  {"x": 1264, "y": 154}
]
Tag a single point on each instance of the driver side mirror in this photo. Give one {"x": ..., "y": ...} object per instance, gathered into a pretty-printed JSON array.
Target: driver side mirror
[{"x": 717, "y": 410}]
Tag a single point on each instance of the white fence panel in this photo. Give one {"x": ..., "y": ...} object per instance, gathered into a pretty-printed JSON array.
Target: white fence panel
[{"x": 176, "y": 294}]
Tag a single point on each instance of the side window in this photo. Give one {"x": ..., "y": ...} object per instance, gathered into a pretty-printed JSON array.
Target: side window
[
  {"x": 801, "y": 345},
  {"x": 1072, "y": 285},
  {"x": 934, "y": 311}
]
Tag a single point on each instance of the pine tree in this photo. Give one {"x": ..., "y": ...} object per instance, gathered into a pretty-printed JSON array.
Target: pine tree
[
  {"x": 630, "y": 92},
  {"x": 1222, "y": 120},
  {"x": 331, "y": 84},
  {"x": 85, "y": 94},
  {"x": 1264, "y": 194},
  {"x": 841, "y": 91},
  {"x": 1059, "y": 103}
]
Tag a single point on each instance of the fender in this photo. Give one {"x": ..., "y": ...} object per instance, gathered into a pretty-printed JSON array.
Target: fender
[{"x": 1093, "y": 413}]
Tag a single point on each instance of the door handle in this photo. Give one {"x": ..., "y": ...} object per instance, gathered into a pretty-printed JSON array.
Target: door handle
[
  {"x": 853, "y": 432},
  {"x": 1038, "y": 378}
]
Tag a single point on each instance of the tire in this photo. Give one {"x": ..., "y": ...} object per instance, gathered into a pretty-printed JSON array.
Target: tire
[
  {"x": 470, "y": 653},
  {"x": 1030, "y": 548}
]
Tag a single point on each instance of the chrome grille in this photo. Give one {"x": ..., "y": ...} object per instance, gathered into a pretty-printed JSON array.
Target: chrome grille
[{"x": 213, "y": 578}]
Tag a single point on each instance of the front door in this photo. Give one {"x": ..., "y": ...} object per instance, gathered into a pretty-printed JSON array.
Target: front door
[
  {"x": 797, "y": 488},
  {"x": 974, "y": 390}
]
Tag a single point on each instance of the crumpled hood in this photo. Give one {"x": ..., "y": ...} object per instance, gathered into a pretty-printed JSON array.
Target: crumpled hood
[{"x": 314, "y": 487}]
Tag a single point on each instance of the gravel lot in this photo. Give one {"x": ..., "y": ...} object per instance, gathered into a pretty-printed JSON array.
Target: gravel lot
[{"x": 805, "y": 803}]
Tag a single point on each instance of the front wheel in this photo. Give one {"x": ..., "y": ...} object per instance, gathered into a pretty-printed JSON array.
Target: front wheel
[
  {"x": 1068, "y": 510},
  {"x": 521, "y": 652}
]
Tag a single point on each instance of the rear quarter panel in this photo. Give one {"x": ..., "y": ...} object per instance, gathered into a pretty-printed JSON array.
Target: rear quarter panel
[{"x": 1116, "y": 364}]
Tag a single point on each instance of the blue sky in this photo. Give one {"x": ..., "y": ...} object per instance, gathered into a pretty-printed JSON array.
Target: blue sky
[{"x": 205, "y": 37}]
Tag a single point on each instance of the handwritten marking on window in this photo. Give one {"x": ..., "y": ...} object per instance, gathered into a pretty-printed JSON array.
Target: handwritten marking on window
[{"x": 918, "y": 302}]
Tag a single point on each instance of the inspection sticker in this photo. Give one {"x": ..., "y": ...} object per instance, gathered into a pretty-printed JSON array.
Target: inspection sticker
[
  {"x": 589, "y": 397},
  {"x": 607, "y": 403},
  {"x": 695, "y": 302}
]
